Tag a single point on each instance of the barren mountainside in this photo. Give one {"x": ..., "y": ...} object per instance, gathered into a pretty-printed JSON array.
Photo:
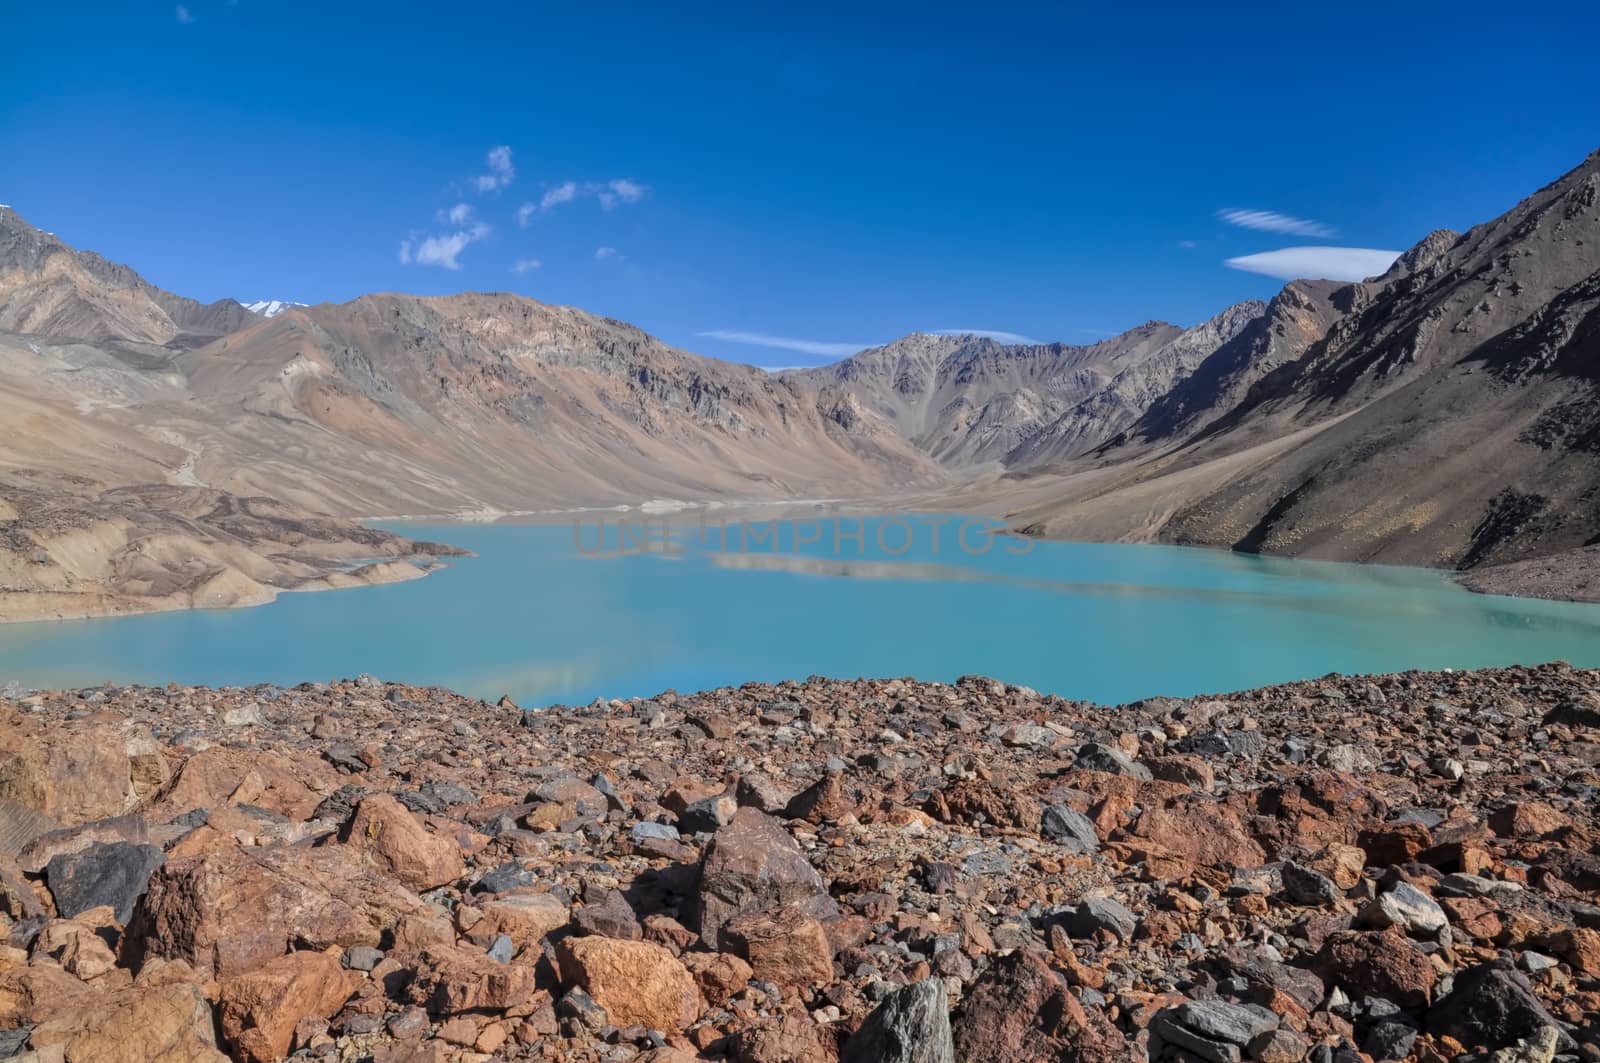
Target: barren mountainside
[{"x": 1444, "y": 413}]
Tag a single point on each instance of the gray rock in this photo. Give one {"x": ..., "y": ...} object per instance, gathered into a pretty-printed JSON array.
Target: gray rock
[
  {"x": 1074, "y": 830},
  {"x": 502, "y": 948},
  {"x": 1308, "y": 886},
  {"x": 1218, "y": 1020},
  {"x": 1389, "y": 1039},
  {"x": 1028, "y": 736},
  {"x": 1093, "y": 756},
  {"x": 12, "y": 1042},
  {"x": 361, "y": 958},
  {"x": 1492, "y": 1005},
  {"x": 911, "y": 1025},
  {"x": 1404, "y": 905},
  {"x": 659, "y": 831},
  {"x": 1168, "y": 1029},
  {"x": 1101, "y": 913},
  {"x": 112, "y": 873},
  {"x": 708, "y": 814}
]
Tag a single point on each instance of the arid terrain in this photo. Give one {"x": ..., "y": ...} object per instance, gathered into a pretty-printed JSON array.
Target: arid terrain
[
  {"x": 1379, "y": 868},
  {"x": 1441, "y": 414}
]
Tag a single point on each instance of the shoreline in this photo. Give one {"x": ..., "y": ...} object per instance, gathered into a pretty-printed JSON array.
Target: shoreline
[
  {"x": 1567, "y": 576},
  {"x": 375, "y": 870}
]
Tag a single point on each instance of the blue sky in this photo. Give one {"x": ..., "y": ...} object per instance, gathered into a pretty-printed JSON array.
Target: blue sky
[{"x": 805, "y": 172}]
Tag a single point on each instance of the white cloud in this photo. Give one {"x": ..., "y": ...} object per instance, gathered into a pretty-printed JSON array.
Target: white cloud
[
  {"x": 620, "y": 190},
  {"x": 1271, "y": 221},
  {"x": 523, "y": 265},
  {"x": 184, "y": 15},
  {"x": 525, "y": 213},
  {"x": 762, "y": 339},
  {"x": 603, "y": 253},
  {"x": 441, "y": 250},
  {"x": 501, "y": 172},
  {"x": 1188, "y": 245},
  {"x": 565, "y": 192},
  {"x": 992, "y": 334},
  {"x": 1327, "y": 263},
  {"x": 459, "y": 214}
]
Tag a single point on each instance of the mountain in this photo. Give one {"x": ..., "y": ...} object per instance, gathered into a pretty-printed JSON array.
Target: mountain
[
  {"x": 270, "y": 307},
  {"x": 48, "y": 289},
  {"x": 967, "y": 400},
  {"x": 1445, "y": 413}
]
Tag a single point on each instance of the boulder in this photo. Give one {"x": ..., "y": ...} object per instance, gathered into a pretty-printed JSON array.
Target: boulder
[
  {"x": 752, "y": 864},
  {"x": 634, "y": 981},
  {"x": 1492, "y": 1006},
  {"x": 260, "y": 1009},
  {"x": 1021, "y": 1011},
  {"x": 1378, "y": 964},
  {"x": 389, "y": 838},
  {"x": 154, "y": 1024},
  {"x": 524, "y": 916},
  {"x": 910, "y": 1025},
  {"x": 230, "y": 909},
  {"x": 114, "y": 874},
  {"x": 783, "y": 945},
  {"x": 450, "y": 979},
  {"x": 1202, "y": 831},
  {"x": 73, "y": 773}
]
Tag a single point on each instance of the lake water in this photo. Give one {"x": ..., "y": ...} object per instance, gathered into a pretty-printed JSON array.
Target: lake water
[{"x": 561, "y": 614}]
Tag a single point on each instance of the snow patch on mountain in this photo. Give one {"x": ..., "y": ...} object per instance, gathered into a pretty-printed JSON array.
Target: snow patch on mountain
[{"x": 270, "y": 307}]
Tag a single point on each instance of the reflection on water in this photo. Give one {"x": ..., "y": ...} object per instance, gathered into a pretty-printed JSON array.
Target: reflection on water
[{"x": 1094, "y": 621}]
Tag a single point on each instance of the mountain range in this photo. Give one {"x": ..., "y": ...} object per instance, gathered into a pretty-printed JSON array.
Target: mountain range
[{"x": 160, "y": 453}]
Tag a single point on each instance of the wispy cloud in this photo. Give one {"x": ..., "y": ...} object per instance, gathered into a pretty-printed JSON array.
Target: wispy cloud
[
  {"x": 443, "y": 249},
  {"x": 620, "y": 190},
  {"x": 603, "y": 253},
  {"x": 987, "y": 333},
  {"x": 1270, "y": 221},
  {"x": 565, "y": 192},
  {"x": 523, "y": 265},
  {"x": 459, "y": 214},
  {"x": 185, "y": 16},
  {"x": 1327, "y": 263},
  {"x": 501, "y": 171},
  {"x": 821, "y": 348},
  {"x": 1188, "y": 245}
]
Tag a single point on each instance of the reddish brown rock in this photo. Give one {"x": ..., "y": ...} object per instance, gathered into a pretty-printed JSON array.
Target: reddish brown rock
[
  {"x": 1527, "y": 819},
  {"x": 73, "y": 773},
  {"x": 1203, "y": 832},
  {"x": 232, "y": 909},
  {"x": 290, "y": 784},
  {"x": 33, "y": 994},
  {"x": 753, "y": 863},
  {"x": 1394, "y": 843},
  {"x": 635, "y": 981},
  {"x": 450, "y": 980},
  {"x": 260, "y": 1009},
  {"x": 169, "y": 1023},
  {"x": 1381, "y": 964},
  {"x": 971, "y": 801},
  {"x": 718, "y": 974},
  {"x": 390, "y": 839},
  {"x": 524, "y": 917},
  {"x": 783, "y": 945},
  {"x": 789, "y": 1038},
  {"x": 1022, "y": 1011}
]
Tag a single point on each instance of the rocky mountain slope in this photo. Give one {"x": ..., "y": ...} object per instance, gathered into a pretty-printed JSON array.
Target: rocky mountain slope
[
  {"x": 1441, "y": 414},
  {"x": 969, "y": 400},
  {"x": 835, "y": 871},
  {"x": 111, "y": 389}
]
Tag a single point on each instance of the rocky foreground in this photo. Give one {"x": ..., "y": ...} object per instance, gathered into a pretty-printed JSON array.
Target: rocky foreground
[{"x": 1395, "y": 867}]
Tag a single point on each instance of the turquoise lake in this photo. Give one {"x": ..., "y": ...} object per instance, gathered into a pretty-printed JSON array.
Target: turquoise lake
[{"x": 553, "y": 614}]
